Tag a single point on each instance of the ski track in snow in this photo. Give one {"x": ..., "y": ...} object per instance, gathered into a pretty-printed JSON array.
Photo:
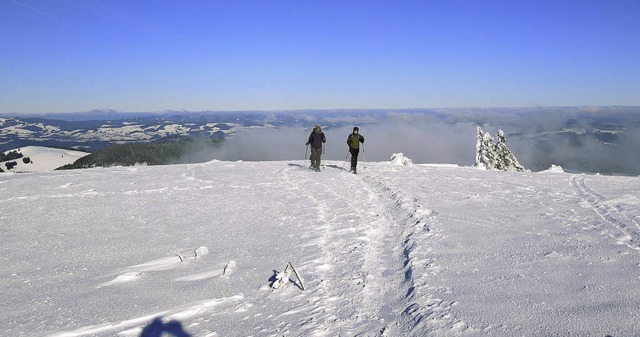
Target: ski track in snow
[
  {"x": 349, "y": 234},
  {"x": 421, "y": 309},
  {"x": 390, "y": 219},
  {"x": 615, "y": 221}
]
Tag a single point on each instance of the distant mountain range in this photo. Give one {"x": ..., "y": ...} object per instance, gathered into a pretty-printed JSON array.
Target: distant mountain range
[
  {"x": 93, "y": 135},
  {"x": 96, "y": 130}
]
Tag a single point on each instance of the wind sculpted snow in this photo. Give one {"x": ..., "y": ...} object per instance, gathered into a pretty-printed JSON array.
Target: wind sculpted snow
[{"x": 393, "y": 251}]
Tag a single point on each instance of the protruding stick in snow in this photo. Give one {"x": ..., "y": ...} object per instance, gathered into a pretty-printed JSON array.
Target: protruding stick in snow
[
  {"x": 191, "y": 254},
  {"x": 297, "y": 275}
]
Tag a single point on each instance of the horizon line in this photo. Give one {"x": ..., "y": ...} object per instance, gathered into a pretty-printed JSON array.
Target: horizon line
[{"x": 114, "y": 111}]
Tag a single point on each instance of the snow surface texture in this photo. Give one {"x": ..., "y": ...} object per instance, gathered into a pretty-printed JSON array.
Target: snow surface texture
[
  {"x": 42, "y": 159},
  {"x": 394, "y": 251}
]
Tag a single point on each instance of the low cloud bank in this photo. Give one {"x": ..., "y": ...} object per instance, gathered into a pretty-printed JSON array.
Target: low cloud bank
[
  {"x": 577, "y": 140},
  {"x": 424, "y": 143},
  {"x": 581, "y": 152}
]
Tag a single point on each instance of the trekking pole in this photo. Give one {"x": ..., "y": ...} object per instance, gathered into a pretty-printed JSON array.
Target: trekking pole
[
  {"x": 364, "y": 158},
  {"x": 322, "y": 154},
  {"x": 345, "y": 159}
]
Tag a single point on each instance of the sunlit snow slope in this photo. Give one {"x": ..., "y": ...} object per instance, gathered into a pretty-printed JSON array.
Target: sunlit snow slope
[
  {"x": 393, "y": 251},
  {"x": 41, "y": 159}
]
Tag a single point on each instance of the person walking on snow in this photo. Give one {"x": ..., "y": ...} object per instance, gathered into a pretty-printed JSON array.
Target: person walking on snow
[
  {"x": 354, "y": 141},
  {"x": 316, "y": 139}
]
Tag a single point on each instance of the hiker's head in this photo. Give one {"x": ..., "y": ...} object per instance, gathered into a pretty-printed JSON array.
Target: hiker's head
[
  {"x": 318, "y": 128},
  {"x": 355, "y": 129}
]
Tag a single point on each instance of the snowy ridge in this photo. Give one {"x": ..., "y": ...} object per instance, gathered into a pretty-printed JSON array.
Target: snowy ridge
[{"x": 393, "y": 251}]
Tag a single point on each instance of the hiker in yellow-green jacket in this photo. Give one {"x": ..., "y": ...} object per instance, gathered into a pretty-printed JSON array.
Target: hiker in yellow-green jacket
[{"x": 354, "y": 141}]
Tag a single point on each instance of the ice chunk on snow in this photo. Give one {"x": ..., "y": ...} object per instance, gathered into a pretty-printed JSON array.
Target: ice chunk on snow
[
  {"x": 554, "y": 169},
  {"x": 281, "y": 278}
]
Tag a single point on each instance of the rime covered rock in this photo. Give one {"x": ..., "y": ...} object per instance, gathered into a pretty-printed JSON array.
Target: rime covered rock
[
  {"x": 400, "y": 160},
  {"x": 495, "y": 156}
]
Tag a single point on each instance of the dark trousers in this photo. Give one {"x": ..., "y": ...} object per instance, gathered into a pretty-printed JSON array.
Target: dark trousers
[
  {"x": 316, "y": 155},
  {"x": 354, "y": 157}
]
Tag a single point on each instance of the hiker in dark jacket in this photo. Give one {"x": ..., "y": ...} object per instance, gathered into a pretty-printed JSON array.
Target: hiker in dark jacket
[
  {"x": 316, "y": 138},
  {"x": 354, "y": 141}
]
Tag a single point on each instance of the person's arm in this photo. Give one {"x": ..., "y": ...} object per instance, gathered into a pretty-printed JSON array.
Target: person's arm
[
  {"x": 324, "y": 139},
  {"x": 361, "y": 139}
]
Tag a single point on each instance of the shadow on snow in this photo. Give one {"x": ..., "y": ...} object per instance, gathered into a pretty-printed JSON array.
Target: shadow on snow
[{"x": 157, "y": 328}]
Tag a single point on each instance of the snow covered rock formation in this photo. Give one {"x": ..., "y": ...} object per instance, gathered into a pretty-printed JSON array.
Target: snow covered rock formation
[
  {"x": 495, "y": 156},
  {"x": 400, "y": 159}
]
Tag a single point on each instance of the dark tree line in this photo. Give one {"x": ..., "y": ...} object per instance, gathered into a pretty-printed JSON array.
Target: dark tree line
[{"x": 167, "y": 151}]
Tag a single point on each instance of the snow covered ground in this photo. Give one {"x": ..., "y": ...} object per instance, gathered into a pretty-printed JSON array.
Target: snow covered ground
[
  {"x": 42, "y": 159},
  {"x": 393, "y": 251}
]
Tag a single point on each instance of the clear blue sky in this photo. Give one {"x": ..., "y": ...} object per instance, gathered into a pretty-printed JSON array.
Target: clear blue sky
[{"x": 143, "y": 55}]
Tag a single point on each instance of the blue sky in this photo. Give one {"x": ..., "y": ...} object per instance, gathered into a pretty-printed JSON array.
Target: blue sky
[{"x": 79, "y": 55}]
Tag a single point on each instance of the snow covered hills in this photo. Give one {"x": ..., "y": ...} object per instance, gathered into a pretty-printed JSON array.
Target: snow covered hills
[
  {"x": 398, "y": 250},
  {"x": 39, "y": 159},
  {"x": 98, "y": 134}
]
